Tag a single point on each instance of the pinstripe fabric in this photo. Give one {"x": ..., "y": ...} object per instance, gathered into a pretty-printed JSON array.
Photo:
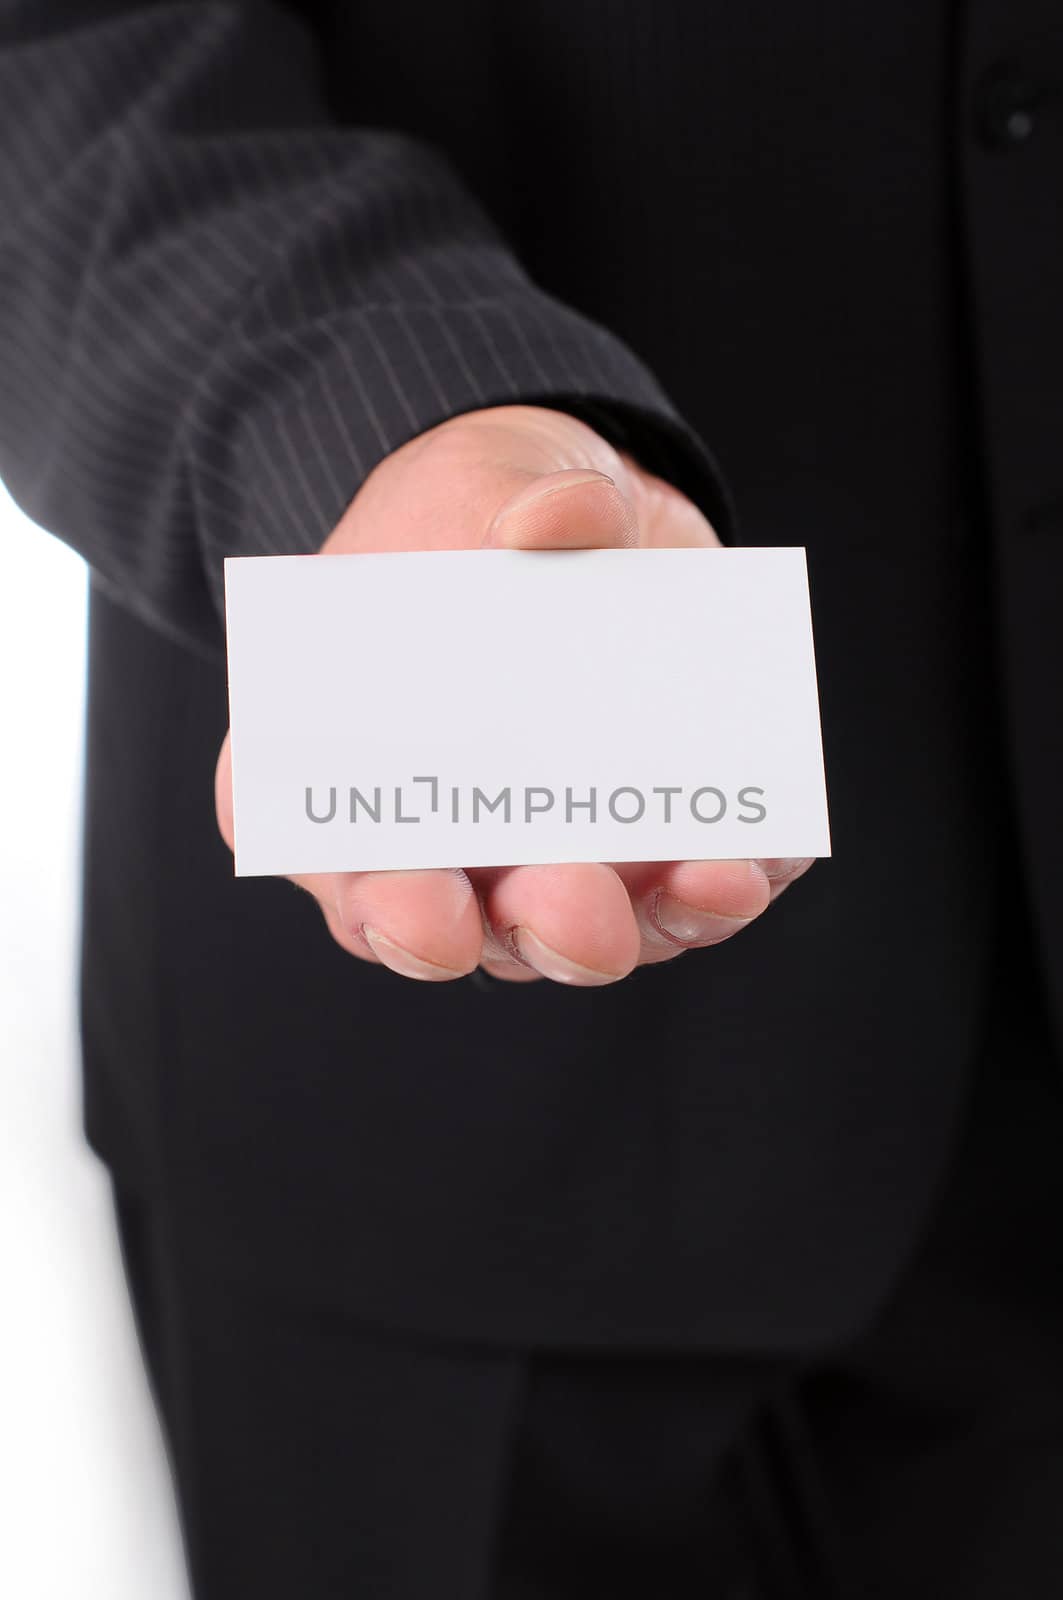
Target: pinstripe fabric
[
  {"x": 219, "y": 309},
  {"x": 220, "y": 305}
]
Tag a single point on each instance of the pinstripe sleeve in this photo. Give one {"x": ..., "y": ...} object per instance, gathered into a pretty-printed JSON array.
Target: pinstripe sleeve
[{"x": 219, "y": 308}]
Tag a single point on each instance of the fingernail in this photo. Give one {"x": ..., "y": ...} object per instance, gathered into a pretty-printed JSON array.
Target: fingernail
[
  {"x": 403, "y": 961},
  {"x": 552, "y": 964},
  {"x": 692, "y": 926},
  {"x": 781, "y": 866},
  {"x": 535, "y": 493}
]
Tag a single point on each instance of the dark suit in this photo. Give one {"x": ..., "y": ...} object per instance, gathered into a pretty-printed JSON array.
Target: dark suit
[{"x": 831, "y": 238}]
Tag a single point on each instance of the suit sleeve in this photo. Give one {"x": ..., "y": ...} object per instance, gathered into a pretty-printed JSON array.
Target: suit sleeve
[{"x": 220, "y": 307}]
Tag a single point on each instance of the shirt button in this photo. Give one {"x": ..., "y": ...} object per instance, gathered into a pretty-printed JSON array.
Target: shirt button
[{"x": 1005, "y": 104}]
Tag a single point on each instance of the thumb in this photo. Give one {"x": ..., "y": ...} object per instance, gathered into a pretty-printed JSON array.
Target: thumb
[
  {"x": 572, "y": 508},
  {"x": 551, "y": 482},
  {"x": 518, "y": 477}
]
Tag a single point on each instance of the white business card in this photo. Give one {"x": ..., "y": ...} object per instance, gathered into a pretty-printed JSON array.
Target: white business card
[{"x": 494, "y": 707}]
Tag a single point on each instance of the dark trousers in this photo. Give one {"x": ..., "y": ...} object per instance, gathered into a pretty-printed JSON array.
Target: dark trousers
[{"x": 319, "y": 1459}]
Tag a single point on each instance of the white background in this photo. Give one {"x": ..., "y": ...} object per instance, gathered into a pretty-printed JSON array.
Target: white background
[{"x": 86, "y": 1507}]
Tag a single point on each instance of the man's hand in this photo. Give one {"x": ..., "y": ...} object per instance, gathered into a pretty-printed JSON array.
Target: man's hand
[{"x": 524, "y": 477}]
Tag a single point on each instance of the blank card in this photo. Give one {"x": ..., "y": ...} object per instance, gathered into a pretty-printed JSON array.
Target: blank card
[{"x": 493, "y": 707}]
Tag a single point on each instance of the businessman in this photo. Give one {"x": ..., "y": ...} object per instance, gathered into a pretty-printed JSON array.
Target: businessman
[{"x": 678, "y": 1229}]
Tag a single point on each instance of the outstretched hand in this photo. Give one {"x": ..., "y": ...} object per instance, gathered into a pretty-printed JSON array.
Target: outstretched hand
[{"x": 525, "y": 477}]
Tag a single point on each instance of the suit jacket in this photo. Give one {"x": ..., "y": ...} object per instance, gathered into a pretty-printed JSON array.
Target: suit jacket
[{"x": 803, "y": 260}]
